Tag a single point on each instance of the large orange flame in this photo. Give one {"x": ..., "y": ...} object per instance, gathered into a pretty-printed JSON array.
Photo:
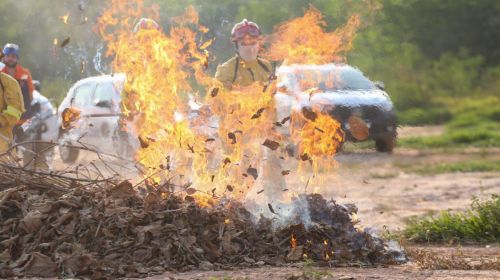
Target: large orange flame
[
  {"x": 161, "y": 67},
  {"x": 304, "y": 40}
]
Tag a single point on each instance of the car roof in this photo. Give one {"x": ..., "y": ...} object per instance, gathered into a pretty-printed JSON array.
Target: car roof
[
  {"x": 118, "y": 77},
  {"x": 317, "y": 67}
]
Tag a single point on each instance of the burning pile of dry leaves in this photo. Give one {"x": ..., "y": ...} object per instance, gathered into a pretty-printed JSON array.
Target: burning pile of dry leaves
[{"x": 57, "y": 226}]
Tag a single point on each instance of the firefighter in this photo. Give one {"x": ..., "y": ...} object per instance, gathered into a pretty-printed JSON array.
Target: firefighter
[
  {"x": 246, "y": 67},
  {"x": 146, "y": 23},
  {"x": 38, "y": 131},
  {"x": 21, "y": 74},
  {"x": 11, "y": 109}
]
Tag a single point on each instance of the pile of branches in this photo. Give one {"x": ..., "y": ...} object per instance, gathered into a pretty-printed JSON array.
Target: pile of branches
[{"x": 57, "y": 225}]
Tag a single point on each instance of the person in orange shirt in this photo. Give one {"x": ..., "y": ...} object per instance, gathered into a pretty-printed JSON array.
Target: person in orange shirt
[{"x": 19, "y": 73}]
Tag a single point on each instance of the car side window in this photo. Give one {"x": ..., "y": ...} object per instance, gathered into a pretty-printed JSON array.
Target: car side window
[
  {"x": 83, "y": 94},
  {"x": 104, "y": 92}
]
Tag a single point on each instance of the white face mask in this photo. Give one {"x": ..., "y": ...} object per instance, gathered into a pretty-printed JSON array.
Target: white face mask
[{"x": 248, "y": 53}]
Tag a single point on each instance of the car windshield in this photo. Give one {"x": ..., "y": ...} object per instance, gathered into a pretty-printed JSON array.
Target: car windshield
[{"x": 333, "y": 80}]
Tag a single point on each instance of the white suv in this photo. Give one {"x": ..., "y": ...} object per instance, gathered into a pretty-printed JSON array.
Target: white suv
[{"x": 97, "y": 99}]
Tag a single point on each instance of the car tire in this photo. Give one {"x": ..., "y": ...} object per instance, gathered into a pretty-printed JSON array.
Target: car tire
[
  {"x": 386, "y": 144},
  {"x": 122, "y": 144},
  {"x": 67, "y": 152}
]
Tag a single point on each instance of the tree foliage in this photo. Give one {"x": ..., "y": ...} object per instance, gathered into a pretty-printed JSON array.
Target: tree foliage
[{"x": 425, "y": 51}]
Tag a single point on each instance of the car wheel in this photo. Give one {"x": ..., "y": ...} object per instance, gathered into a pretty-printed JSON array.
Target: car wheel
[
  {"x": 386, "y": 144},
  {"x": 121, "y": 143},
  {"x": 67, "y": 152}
]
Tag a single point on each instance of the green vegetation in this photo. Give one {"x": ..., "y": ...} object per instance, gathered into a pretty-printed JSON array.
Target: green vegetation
[
  {"x": 481, "y": 223},
  {"x": 439, "y": 60},
  {"x": 473, "y": 122},
  {"x": 310, "y": 272},
  {"x": 474, "y": 166}
]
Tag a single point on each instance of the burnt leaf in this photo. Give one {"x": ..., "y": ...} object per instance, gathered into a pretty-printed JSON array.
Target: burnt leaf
[
  {"x": 65, "y": 42},
  {"x": 226, "y": 162},
  {"x": 319, "y": 129},
  {"x": 252, "y": 172},
  {"x": 309, "y": 114},
  {"x": 214, "y": 92},
  {"x": 283, "y": 121},
  {"x": 230, "y": 188},
  {"x": 305, "y": 157},
  {"x": 273, "y": 145},
  {"x": 258, "y": 114},
  {"x": 232, "y": 137},
  {"x": 285, "y": 172},
  {"x": 271, "y": 208},
  {"x": 144, "y": 142}
]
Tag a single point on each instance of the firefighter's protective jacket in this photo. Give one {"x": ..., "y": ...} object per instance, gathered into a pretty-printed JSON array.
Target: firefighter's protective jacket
[
  {"x": 236, "y": 71},
  {"x": 23, "y": 77},
  {"x": 11, "y": 108}
]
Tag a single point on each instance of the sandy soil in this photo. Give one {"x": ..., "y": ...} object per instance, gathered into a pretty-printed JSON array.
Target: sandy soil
[{"x": 387, "y": 194}]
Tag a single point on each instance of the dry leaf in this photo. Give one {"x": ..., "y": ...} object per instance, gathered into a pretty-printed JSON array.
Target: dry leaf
[
  {"x": 273, "y": 145},
  {"x": 40, "y": 265},
  {"x": 191, "y": 191}
]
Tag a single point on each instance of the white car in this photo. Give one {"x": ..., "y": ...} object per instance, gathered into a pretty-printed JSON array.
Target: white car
[
  {"x": 362, "y": 107},
  {"x": 97, "y": 100}
]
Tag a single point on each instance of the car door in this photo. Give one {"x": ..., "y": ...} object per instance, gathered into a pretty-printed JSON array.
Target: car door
[
  {"x": 106, "y": 112},
  {"x": 82, "y": 101}
]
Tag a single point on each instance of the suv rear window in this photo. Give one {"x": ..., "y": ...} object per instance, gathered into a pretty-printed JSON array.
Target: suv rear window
[{"x": 332, "y": 80}]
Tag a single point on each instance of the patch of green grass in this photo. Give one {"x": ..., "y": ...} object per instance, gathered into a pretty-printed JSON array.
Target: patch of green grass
[
  {"x": 387, "y": 175},
  {"x": 420, "y": 116},
  {"x": 310, "y": 272},
  {"x": 354, "y": 146},
  {"x": 473, "y": 166},
  {"x": 474, "y": 137},
  {"x": 473, "y": 122},
  {"x": 481, "y": 223}
]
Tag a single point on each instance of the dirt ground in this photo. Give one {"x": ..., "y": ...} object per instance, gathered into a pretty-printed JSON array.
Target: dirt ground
[{"x": 387, "y": 192}]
